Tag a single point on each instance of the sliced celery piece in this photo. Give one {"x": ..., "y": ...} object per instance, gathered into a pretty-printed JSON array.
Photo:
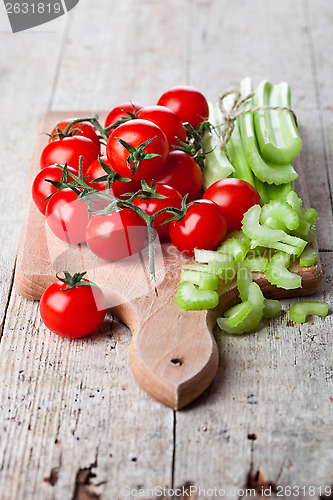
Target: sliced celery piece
[
  {"x": 271, "y": 308},
  {"x": 277, "y": 272},
  {"x": 273, "y": 223},
  {"x": 237, "y": 155},
  {"x": 205, "y": 281},
  {"x": 234, "y": 247},
  {"x": 252, "y": 318},
  {"x": 308, "y": 257},
  {"x": 239, "y": 235},
  {"x": 282, "y": 211},
  {"x": 225, "y": 270},
  {"x": 238, "y": 313},
  {"x": 310, "y": 215},
  {"x": 244, "y": 279},
  {"x": 300, "y": 310},
  {"x": 255, "y": 264},
  {"x": 276, "y": 131},
  {"x": 217, "y": 165},
  {"x": 263, "y": 170},
  {"x": 205, "y": 256},
  {"x": 191, "y": 298}
]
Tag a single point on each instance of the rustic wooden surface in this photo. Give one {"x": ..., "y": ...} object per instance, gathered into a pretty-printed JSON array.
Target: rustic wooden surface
[{"x": 73, "y": 423}]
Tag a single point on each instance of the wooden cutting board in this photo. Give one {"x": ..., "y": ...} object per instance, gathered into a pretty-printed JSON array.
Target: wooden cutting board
[{"x": 173, "y": 354}]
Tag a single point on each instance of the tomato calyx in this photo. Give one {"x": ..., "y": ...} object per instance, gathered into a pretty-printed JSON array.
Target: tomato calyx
[
  {"x": 132, "y": 115},
  {"x": 63, "y": 183},
  {"x": 110, "y": 175},
  {"x": 194, "y": 145},
  {"x": 146, "y": 192},
  {"x": 137, "y": 154},
  {"x": 72, "y": 281}
]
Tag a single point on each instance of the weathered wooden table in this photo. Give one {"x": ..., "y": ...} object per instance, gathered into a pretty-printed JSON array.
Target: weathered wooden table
[{"x": 73, "y": 422}]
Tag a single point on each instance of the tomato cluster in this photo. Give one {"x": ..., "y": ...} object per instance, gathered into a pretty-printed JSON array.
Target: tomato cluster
[{"x": 104, "y": 185}]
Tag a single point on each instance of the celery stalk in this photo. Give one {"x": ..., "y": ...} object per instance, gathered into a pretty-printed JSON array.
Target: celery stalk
[{"x": 237, "y": 156}]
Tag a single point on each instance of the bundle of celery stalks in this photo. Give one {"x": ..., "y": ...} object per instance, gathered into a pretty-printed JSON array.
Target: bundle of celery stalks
[{"x": 262, "y": 146}]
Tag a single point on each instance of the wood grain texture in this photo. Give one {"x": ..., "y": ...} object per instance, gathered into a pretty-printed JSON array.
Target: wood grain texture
[{"x": 75, "y": 411}]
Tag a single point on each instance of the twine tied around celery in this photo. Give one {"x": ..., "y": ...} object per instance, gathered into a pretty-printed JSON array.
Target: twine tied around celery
[{"x": 237, "y": 110}]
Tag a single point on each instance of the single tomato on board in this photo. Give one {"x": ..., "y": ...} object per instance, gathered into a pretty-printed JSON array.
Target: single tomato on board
[
  {"x": 122, "y": 113},
  {"x": 202, "y": 226},
  {"x": 42, "y": 189},
  {"x": 68, "y": 150},
  {"x": 234, "y": 197},
  {"x": 187, "y": 102},
  {"x": 117, "y": 235},
  {"x": 137, "y": 149},
  {"x": 168, "y": 121},
  {"x": 73, "y": 307},
  {"x": 85, "y": 129}
]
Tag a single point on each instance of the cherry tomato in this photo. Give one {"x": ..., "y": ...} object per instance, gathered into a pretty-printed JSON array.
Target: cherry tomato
[
  {"x": 86, "y": 129},
  {"x": 68, "y": 150},
  {"x": 42, "y": 189},
  {"x": 73, "y": 313},
  {"x": 135, "y": 132},
  {"x": 189, "y": 104},
  {"x": 167, "y": 120},
  {"x": 203, "y": 226},
  {"x": 95, "y": 170},
  {"x": 234, "y": 197},
  {"x": 182, "y": 172},
  {"x": 117, "y": 235},
  {"x": 152, "y": 205},
  {"x": 121, "y": 111},
  {"x": 67, "y": 217}
]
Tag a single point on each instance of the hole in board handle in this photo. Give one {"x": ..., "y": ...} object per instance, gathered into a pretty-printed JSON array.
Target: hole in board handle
[{"x": 177, "y": 361}]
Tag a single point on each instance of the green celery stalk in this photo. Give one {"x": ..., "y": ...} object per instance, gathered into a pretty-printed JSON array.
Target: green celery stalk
[
  {"x": 269, "y": 192},
  {"x": 263, "y": 170},
  {"x": 237, "y": 156},
  {"x": 276, "y": 131}
]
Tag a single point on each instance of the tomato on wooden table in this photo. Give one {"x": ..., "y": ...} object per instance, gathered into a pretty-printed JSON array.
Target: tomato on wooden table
[
  {"x": 42, "y": 189},
  {"x": 135, "y": 133},
  {"x": 234, "y": 197},
  {"x": 74, "y": 311},
  {"x": 187, "y": 102},
  {"x": 182, "y": 172},
  {"x": 203, "y": 226},
  {"x": 68, "y": 150},
  {"x": 85, "y": 129},
  {"x": 96, "y": 170},
  {"x": 168, "y": 121},
  {"x": 122, "y": 112},
  {"x": 152, "y": 205},
  {"x": 117, "y": 235},
  {"x": 67, "y": 217}
]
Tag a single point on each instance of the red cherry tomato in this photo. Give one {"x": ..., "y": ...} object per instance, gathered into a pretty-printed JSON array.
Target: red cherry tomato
[
  {"x": 68, "y": 150},
  {"x": 86, "y": 129},
  {"x": 152, "y": 205},
  {"x": 95, "y": 170},
  {"x": 203, "y": 226},
  {"x": 134, "y": 133},
  {"x": 42, "y": 189},
  {"x": 117, "y": 235},
  {"x": 67, "y": 217},
  {"x": 234, "y": 197},
  {"x": 189, "y": 104},
  {"x": 182, "y": 172},
  {"x": 120, "y": 112},
  {"x": 73, "y": 313},
  {"x": 167, "y": 120}
]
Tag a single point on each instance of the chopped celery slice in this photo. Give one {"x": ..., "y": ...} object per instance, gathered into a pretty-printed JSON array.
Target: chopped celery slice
[
  {"x": 282, "y": 211},
  {"x": 225, "y": 270},
  {"x": 239, "y": 235},
  {"x": 252, "y": 318},
  {"x": 244, "y": 279},
  {"x": 263, "y": 170},
  {"x": 217, "y": 165},
  {"x": 237, "y": 156},
  {"x": 310, "y": 215},
  {"x": 234, "y": 247},
  {"x": 271, "y": 308},
  {"x": 271, "y": 238},
  {"x": 255, "y": 264},
  {"x": 238, "y": 313},
  {"x": 273, "y": 223},
  {"x": 277, "y": 272},
  {"x": 308, "y": 257},
  {"x": 300, "y": 310},
  {"x": 191, "y": 298},
  {"x": 205, "y": 281},
  {"x": 212, "y": 256},
  {"x": 276, "y": 131}
]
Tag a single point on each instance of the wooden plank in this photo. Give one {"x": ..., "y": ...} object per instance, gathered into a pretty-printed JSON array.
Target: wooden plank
[{"x": 265, "y": 402}]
